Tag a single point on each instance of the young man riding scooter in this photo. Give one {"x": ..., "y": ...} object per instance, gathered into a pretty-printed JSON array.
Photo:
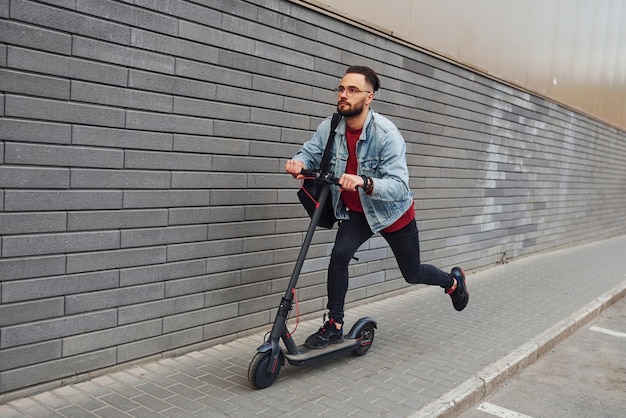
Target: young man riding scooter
[{"x": 368, "y": 157}]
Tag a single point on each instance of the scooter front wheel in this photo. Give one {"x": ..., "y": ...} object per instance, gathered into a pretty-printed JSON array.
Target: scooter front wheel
[{"x": 260, "y": 375}]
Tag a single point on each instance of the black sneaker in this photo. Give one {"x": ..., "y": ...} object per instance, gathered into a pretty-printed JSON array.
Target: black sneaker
[
  {"x": 459, "y": 296},
  {"x": 327, "y": 334}
]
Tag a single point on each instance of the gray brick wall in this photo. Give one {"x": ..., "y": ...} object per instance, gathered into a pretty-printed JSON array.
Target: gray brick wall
[{"x": 143, "y": 207}]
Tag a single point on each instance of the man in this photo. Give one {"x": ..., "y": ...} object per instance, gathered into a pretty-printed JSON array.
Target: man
[{"x": 368, "y": 157}]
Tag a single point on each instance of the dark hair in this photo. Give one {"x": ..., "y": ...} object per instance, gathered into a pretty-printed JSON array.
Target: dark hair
[{"x": 369, "y": 74}]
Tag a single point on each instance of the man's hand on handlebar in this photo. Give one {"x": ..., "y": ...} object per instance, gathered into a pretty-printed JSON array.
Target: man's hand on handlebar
[
  {"x": 350, "y": 182},
  {"x": 294, "y": 167}
]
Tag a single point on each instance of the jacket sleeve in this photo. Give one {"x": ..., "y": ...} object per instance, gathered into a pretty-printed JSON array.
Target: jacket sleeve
[
  {"x": 393, "y": 183},
  {"x": 312, "y": 150}
]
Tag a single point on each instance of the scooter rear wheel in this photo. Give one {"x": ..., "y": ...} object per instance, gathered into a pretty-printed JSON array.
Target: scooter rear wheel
[
  {"x": 258, "y": 374},
  {"x": 366, "y": 337}
]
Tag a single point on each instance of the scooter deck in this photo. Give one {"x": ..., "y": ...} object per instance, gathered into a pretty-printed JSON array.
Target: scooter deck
[{"x": 305, "y": 353}]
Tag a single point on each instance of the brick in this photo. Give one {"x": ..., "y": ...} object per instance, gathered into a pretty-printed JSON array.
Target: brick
[
  {"x": 34, "y": 85},
  {"x": 31, "y": 267},
  {"x": 120, "y": 97},
  {"x": 173, "y": 46},
  {"x": 243, "y": 196},
  {"x": 249, "y": 131},
  {"x": 249, "y": 97},
  {"x": 62, "y": 285},
  {"x": 119, "y": 179},
  {"x": 217, "y": 110},
  {"x": 148, "y": 346},
  {"x": 62, "y": 19},
  {"x": 210, "y": 145},
  {"x": 287, "y": 211},
  {"x": 218, "y": 37},
  {"x": 159, "y": 236},
  {"x": 271, "y": 242},
  {"x": 131, "y": 15},
  {"x": 258, "y": 305},
  {"x": 58, "y": 111},
  {"x": 62, "y": 66},
  {"x": 33, "y": 178},
  {"x": 42, "y": 372},
  {"x": 188, "y": 11},
  {"x": 103, "y": 219},
  {"x": 268, "y": 149},
  {"x": 37, "y": 154},
  {"x": 61, "y": 200},
  {"x": 261, "y": 273},
  {"x": 207, "y": 180},
  {"x": 178, "y": 252},
  {"x": 245, "y": 164},
  {"x": 289, "y": 120},
  {"x": 165, "y": 199},
  {"x": 23, "y": 223},
  {"x": 34, "y": 131},
  {"x": 104, "y": 260},
  {"x": 282, "y": 87},
  {"x": 190, "y": 285},
  {"x": 305, "y": 107},
  {"x": 121, "y": 55},
  {"x": 169, "y": 160},
  {"x": 235, "y": 294},
  {"x": 170, "y": 84},
  {"x": 94, "y": 301},
  {"x": 240, "y": 229},
  {"x": 55, "y": 328},
  {"x": 119, "y": 138},
  {"x": 83, "y": 343},
  {"x": 25, "y": 355},
  {"x": 210, "y": 215},
  {"x": 168, "y": 123},
  {"x": 28, "y": 245},
  {"x": 226, "y": 326},
  {"x": 30, "y": 36},
  {"x": 162, "y": 272},
  {"x": 269, "y": 181},
  {"x": 198, "y": 317},
  {"x": 159, "y": 309},
  {"x": 17, "y": 313},
  {"x": 231, "y": 262},
  {"x": 213, "y": 73}
]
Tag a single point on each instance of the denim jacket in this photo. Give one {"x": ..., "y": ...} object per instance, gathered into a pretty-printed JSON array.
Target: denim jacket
[{"x": 380, "y": 154}]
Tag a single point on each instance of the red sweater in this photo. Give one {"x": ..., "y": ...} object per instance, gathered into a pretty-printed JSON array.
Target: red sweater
[{"x": 352, "y": 199}]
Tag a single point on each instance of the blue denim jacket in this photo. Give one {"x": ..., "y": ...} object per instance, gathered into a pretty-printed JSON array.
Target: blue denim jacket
[{"x": 381, "y": 155}]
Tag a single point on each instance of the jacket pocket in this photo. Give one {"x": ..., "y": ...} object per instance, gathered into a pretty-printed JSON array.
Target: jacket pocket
[{"x": 370, "y": 165}]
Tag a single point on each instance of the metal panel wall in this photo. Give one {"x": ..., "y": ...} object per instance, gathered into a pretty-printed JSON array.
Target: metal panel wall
[{"x": 570, "y": 51}]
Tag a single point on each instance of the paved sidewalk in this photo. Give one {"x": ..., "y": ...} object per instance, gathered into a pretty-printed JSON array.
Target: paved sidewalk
[{"x": 427, "y": 359}]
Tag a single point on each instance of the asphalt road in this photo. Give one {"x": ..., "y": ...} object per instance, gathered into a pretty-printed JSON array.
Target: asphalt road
[{"x": 583, "y": 376}]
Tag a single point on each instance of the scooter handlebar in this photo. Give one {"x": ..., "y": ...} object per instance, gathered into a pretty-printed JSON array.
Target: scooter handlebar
[{"x": 320, "y": 175}]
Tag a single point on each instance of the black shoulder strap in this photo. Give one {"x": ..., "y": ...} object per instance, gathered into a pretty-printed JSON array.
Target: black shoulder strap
[{"x": 331, "y": 137}]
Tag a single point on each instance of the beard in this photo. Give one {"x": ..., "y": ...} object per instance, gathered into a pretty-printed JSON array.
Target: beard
[{"x": 354, "y": 110}]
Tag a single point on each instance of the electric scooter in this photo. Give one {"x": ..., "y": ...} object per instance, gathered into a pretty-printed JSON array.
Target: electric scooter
[{"x": 270, "y": 357}]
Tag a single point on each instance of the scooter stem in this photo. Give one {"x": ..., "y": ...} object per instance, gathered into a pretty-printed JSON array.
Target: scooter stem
[
  {"x": 279, "y": 329},
  {"x": 307, "y": 239}
]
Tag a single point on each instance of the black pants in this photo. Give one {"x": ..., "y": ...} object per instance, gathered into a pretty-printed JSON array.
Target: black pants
[{"x": 405, "y": 245}]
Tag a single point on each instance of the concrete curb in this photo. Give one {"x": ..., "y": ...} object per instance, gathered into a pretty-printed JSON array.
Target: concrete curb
[{"x": 491, "y": 377}]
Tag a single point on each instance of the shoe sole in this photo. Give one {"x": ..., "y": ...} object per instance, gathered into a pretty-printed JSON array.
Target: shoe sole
[{"x": 462, "y": 286}]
